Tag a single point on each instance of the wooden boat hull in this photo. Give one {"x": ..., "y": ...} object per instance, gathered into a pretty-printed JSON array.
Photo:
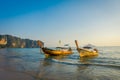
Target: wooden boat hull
[
  {"x": 56, "y": 52},
  {"x": 86, "y": 53},
  {"x": 52, "y": 52}
]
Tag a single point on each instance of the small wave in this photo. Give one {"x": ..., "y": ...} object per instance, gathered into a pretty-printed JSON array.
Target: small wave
[
  {"x": 108, "y": 65},
  {"x": 69, "y": 62}
]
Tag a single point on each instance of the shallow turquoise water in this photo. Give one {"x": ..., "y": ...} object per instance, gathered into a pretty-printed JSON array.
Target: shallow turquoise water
[{"x": 31, "y": 61}]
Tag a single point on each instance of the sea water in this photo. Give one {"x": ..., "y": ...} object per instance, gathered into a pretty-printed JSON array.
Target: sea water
[{"x": 31, "y": 61}]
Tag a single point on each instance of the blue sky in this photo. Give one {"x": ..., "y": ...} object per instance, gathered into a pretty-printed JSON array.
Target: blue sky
[{"x": 89, "y": 21}]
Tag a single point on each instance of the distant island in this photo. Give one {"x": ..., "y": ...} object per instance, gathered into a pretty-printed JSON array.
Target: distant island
[{"x": 9, "y": 41}]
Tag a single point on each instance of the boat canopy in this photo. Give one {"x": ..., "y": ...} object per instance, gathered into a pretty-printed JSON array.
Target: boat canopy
[{"x": 89, "y": 46}]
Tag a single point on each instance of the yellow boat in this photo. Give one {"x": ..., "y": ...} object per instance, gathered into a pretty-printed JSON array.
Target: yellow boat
[
  {"x": 86, "y": 51},
  {"x": 55, "y": 52}
]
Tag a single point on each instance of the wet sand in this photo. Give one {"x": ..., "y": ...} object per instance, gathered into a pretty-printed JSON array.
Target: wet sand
[{"x": 8, "y": 72}]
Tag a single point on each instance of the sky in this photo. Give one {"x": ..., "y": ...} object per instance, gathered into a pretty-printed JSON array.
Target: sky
[{"x": 88, "y": 21}]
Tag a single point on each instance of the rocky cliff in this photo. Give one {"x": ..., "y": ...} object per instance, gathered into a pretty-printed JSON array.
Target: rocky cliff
[{"x": 9, "y": 41}]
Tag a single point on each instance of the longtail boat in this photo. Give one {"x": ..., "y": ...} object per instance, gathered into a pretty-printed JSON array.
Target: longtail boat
[
  {"x": 86, "y": 51},
  {"x": 55, "y": 52}
]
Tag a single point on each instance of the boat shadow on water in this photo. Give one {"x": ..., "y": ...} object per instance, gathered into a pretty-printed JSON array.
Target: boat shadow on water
[
  {"x": 87, "y": 60},
  {"x": 49, "y": 60},
  {"x": 55, "y": 57}
]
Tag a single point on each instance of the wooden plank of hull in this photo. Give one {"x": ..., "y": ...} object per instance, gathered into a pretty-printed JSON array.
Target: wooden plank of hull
[
  {"x": 56, "y": 52},
  {"x": 86, "y": 53}
]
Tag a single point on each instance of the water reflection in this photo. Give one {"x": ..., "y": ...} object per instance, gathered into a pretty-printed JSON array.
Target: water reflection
[
  {"x": 87, "y": 60},
  {"x": 56, "y": 57},
  {"x": 46, "y": 62},
  {"x": 49, "y": 60},
  {"x": 47, "y": 68},
  {"x": 85, "y": 63}
]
